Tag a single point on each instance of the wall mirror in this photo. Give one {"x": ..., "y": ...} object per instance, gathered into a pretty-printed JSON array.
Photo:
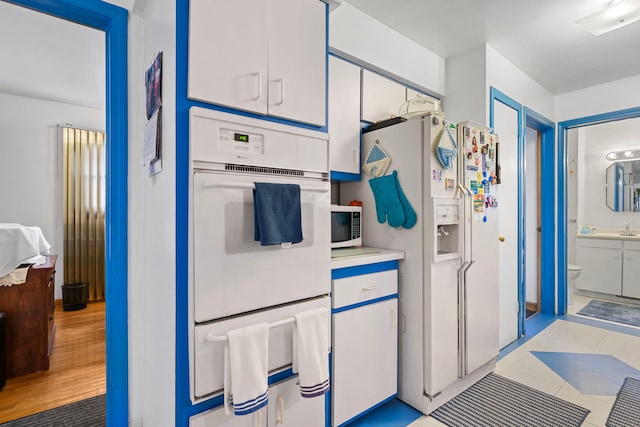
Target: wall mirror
[{"x": 623, "y": 186}]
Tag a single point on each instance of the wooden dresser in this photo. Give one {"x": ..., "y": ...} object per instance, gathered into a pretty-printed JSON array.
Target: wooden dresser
[{"x": 29, "y": 326}]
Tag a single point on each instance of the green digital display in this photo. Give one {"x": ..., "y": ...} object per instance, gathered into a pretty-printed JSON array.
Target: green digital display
[{"x": 241, "y": 137}]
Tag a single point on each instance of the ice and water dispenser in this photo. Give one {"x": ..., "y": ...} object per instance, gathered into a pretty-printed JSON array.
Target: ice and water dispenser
[{"x": 446, "y": 233}]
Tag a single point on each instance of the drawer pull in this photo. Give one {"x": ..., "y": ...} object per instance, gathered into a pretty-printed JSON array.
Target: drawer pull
[{"x": 370, "y": 288}]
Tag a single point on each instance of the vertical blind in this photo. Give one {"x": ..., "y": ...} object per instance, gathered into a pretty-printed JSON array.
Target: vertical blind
[{"x": 84, "y": 200}]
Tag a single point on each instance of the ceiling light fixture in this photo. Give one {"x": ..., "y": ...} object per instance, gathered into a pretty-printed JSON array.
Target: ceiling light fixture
[
  {"x": 621, "y": 155},
  {"x": 617, "y": 14}
]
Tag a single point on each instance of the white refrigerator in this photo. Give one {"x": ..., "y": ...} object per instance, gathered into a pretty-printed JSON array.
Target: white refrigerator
[{"x": 448, "y": 280}]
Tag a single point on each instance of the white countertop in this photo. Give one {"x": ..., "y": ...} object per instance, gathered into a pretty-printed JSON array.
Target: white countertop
[
  {"x": 368, "y": 256},
  {"x": 610, "y": 234}
]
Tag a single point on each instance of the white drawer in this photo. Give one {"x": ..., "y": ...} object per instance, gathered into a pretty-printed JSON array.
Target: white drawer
[
  {"x": 365, "y": 287},
  {"x": 209, "y": 356},
  {"x": 598, "y": 243},
  {"x": 634, "y": 245}
]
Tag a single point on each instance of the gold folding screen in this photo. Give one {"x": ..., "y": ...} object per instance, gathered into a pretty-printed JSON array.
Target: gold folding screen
[{"x": 84, "y": 168}]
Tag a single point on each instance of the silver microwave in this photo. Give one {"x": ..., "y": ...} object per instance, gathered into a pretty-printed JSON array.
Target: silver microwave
[{"x": 346, "y": 226}]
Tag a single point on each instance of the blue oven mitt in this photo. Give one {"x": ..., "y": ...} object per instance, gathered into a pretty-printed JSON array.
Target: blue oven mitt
[
  {"x": 385, "y": 193},
  {"x": 391, "y": 203},
  {"x": 410, "y": 217}
]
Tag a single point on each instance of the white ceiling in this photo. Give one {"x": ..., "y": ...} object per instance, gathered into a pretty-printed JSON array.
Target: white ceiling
[{"x": 538, "y": 36}]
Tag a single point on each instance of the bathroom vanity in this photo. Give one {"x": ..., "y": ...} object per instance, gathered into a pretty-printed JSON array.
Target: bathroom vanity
[{"x": 610, "y": 263}]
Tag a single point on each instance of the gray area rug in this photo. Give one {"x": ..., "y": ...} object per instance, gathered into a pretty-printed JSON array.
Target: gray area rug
[
  {"x": 84, "y": 413},
  {"x": 626, "y": 409},
  {"x": 614, "y": 312},
  {"x": 495, "y": 401}
]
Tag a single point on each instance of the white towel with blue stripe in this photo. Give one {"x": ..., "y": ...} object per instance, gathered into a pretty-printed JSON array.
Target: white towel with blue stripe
[
  {"x": 246, "y": 369},
  {"x": 311, "y": 351}
]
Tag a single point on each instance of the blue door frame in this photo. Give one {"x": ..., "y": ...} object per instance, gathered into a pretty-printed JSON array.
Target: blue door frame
[
  {"x": 561, "y": 221},
  {"x": 529, "y": 118},
  {"x": 618, "y": 195},
  {"x": 113, "y": 21}
]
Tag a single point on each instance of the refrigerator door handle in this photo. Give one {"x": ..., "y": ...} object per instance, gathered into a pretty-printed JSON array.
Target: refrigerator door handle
[
  {"x": 470, "y": 223},
  {"x": 463, "y": 336}
]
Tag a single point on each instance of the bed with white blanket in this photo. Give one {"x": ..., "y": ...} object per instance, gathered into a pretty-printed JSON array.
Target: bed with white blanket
[{"x": 20, "y": 245}]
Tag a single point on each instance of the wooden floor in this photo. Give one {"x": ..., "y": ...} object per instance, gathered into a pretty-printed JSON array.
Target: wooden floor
[{"x": 77, "y": 368}]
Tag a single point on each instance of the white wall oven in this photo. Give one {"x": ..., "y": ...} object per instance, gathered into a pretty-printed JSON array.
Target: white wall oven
[{"x": 235, "y": 280}]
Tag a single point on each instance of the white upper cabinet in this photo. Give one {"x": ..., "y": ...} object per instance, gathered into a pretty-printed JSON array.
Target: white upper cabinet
[
  {"x": 344, "y": 116},
  {"x": 228, "y": 53},
  {"x": 381, "y": 97},
  {"x": 297, "y": 60},
  {"x": 263, "y": 56}
]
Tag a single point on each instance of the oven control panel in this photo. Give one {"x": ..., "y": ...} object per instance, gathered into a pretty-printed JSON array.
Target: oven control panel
[{"x": 240, "y": 142}]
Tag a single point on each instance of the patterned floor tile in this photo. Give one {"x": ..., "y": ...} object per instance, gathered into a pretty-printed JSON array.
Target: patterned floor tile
[{"x": 595, "y": 374}]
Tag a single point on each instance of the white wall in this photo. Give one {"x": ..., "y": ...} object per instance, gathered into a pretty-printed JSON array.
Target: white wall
[
  {"x": 466, "y": 78},
  {"x": 31, "y": 164},
  {"x": 612, "y": 96},
  {"x": 575, "y": 189},
  {"x": 152, "y": 208},
  {"x": 515, "y": 83},
  {"x": 368, "y": 42}
]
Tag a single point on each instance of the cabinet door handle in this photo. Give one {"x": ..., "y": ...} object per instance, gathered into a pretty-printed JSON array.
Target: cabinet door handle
[
  {"x": 393, "y": 320},
  {"x": 281, "y": 91},
  {"x": 280, "y": 417},
  {"x": 259, "y": 75},
  {"x": 259, "y": 417},
  {"x": 370, "y": 288},
  {"x": 354, "y": 153}
]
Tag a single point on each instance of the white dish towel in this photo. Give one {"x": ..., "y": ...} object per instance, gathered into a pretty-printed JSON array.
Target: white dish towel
[
  {"x": 246, "y": 369},
  {"x": 311, "y": 351}
]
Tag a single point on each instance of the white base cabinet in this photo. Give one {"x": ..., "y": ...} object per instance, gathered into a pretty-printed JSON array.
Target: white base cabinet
[
  {"x": 631, "y": 270},
  {"x": 601, "y": 262},
  {"x": 286, "y": 408},
  {"x": 365, "y": 343},
  {"x": 609, "y": 266}
]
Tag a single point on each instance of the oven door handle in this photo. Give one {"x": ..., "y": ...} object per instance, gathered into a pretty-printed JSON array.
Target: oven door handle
[{"x": 250, "y": 186}]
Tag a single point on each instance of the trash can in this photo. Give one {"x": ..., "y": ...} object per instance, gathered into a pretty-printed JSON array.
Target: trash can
[
  {"x": 75, "y": 296},
  {"x": 3, "y": 353}
]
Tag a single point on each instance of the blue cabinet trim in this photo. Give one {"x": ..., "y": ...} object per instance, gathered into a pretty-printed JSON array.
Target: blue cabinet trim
[
  {"x": 344, "y": 176},
  {"x": 363, "y": 303},
  {"x": 357, "y": 270},
  {"x": 369, "y": 410}
]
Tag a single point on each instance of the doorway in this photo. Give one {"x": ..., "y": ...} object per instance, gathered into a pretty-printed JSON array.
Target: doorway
[
  {"x": 505, "y": 114},
  {"x": 113, "y": 21},
  {"x": 586, "y": 145},
  {"x": 564, "y": 172},
  {"x": 533, "y": 226}
]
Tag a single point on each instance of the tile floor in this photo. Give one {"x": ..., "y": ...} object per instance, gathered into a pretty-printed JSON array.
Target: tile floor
[{"x": 574, "y": 358}]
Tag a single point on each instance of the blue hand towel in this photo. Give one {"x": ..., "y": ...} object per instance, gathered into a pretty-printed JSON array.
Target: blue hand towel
[{"x": 277, "y": 212}]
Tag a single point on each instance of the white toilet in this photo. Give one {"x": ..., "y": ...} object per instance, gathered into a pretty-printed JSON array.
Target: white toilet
[{"x": 573, "y": 272}]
